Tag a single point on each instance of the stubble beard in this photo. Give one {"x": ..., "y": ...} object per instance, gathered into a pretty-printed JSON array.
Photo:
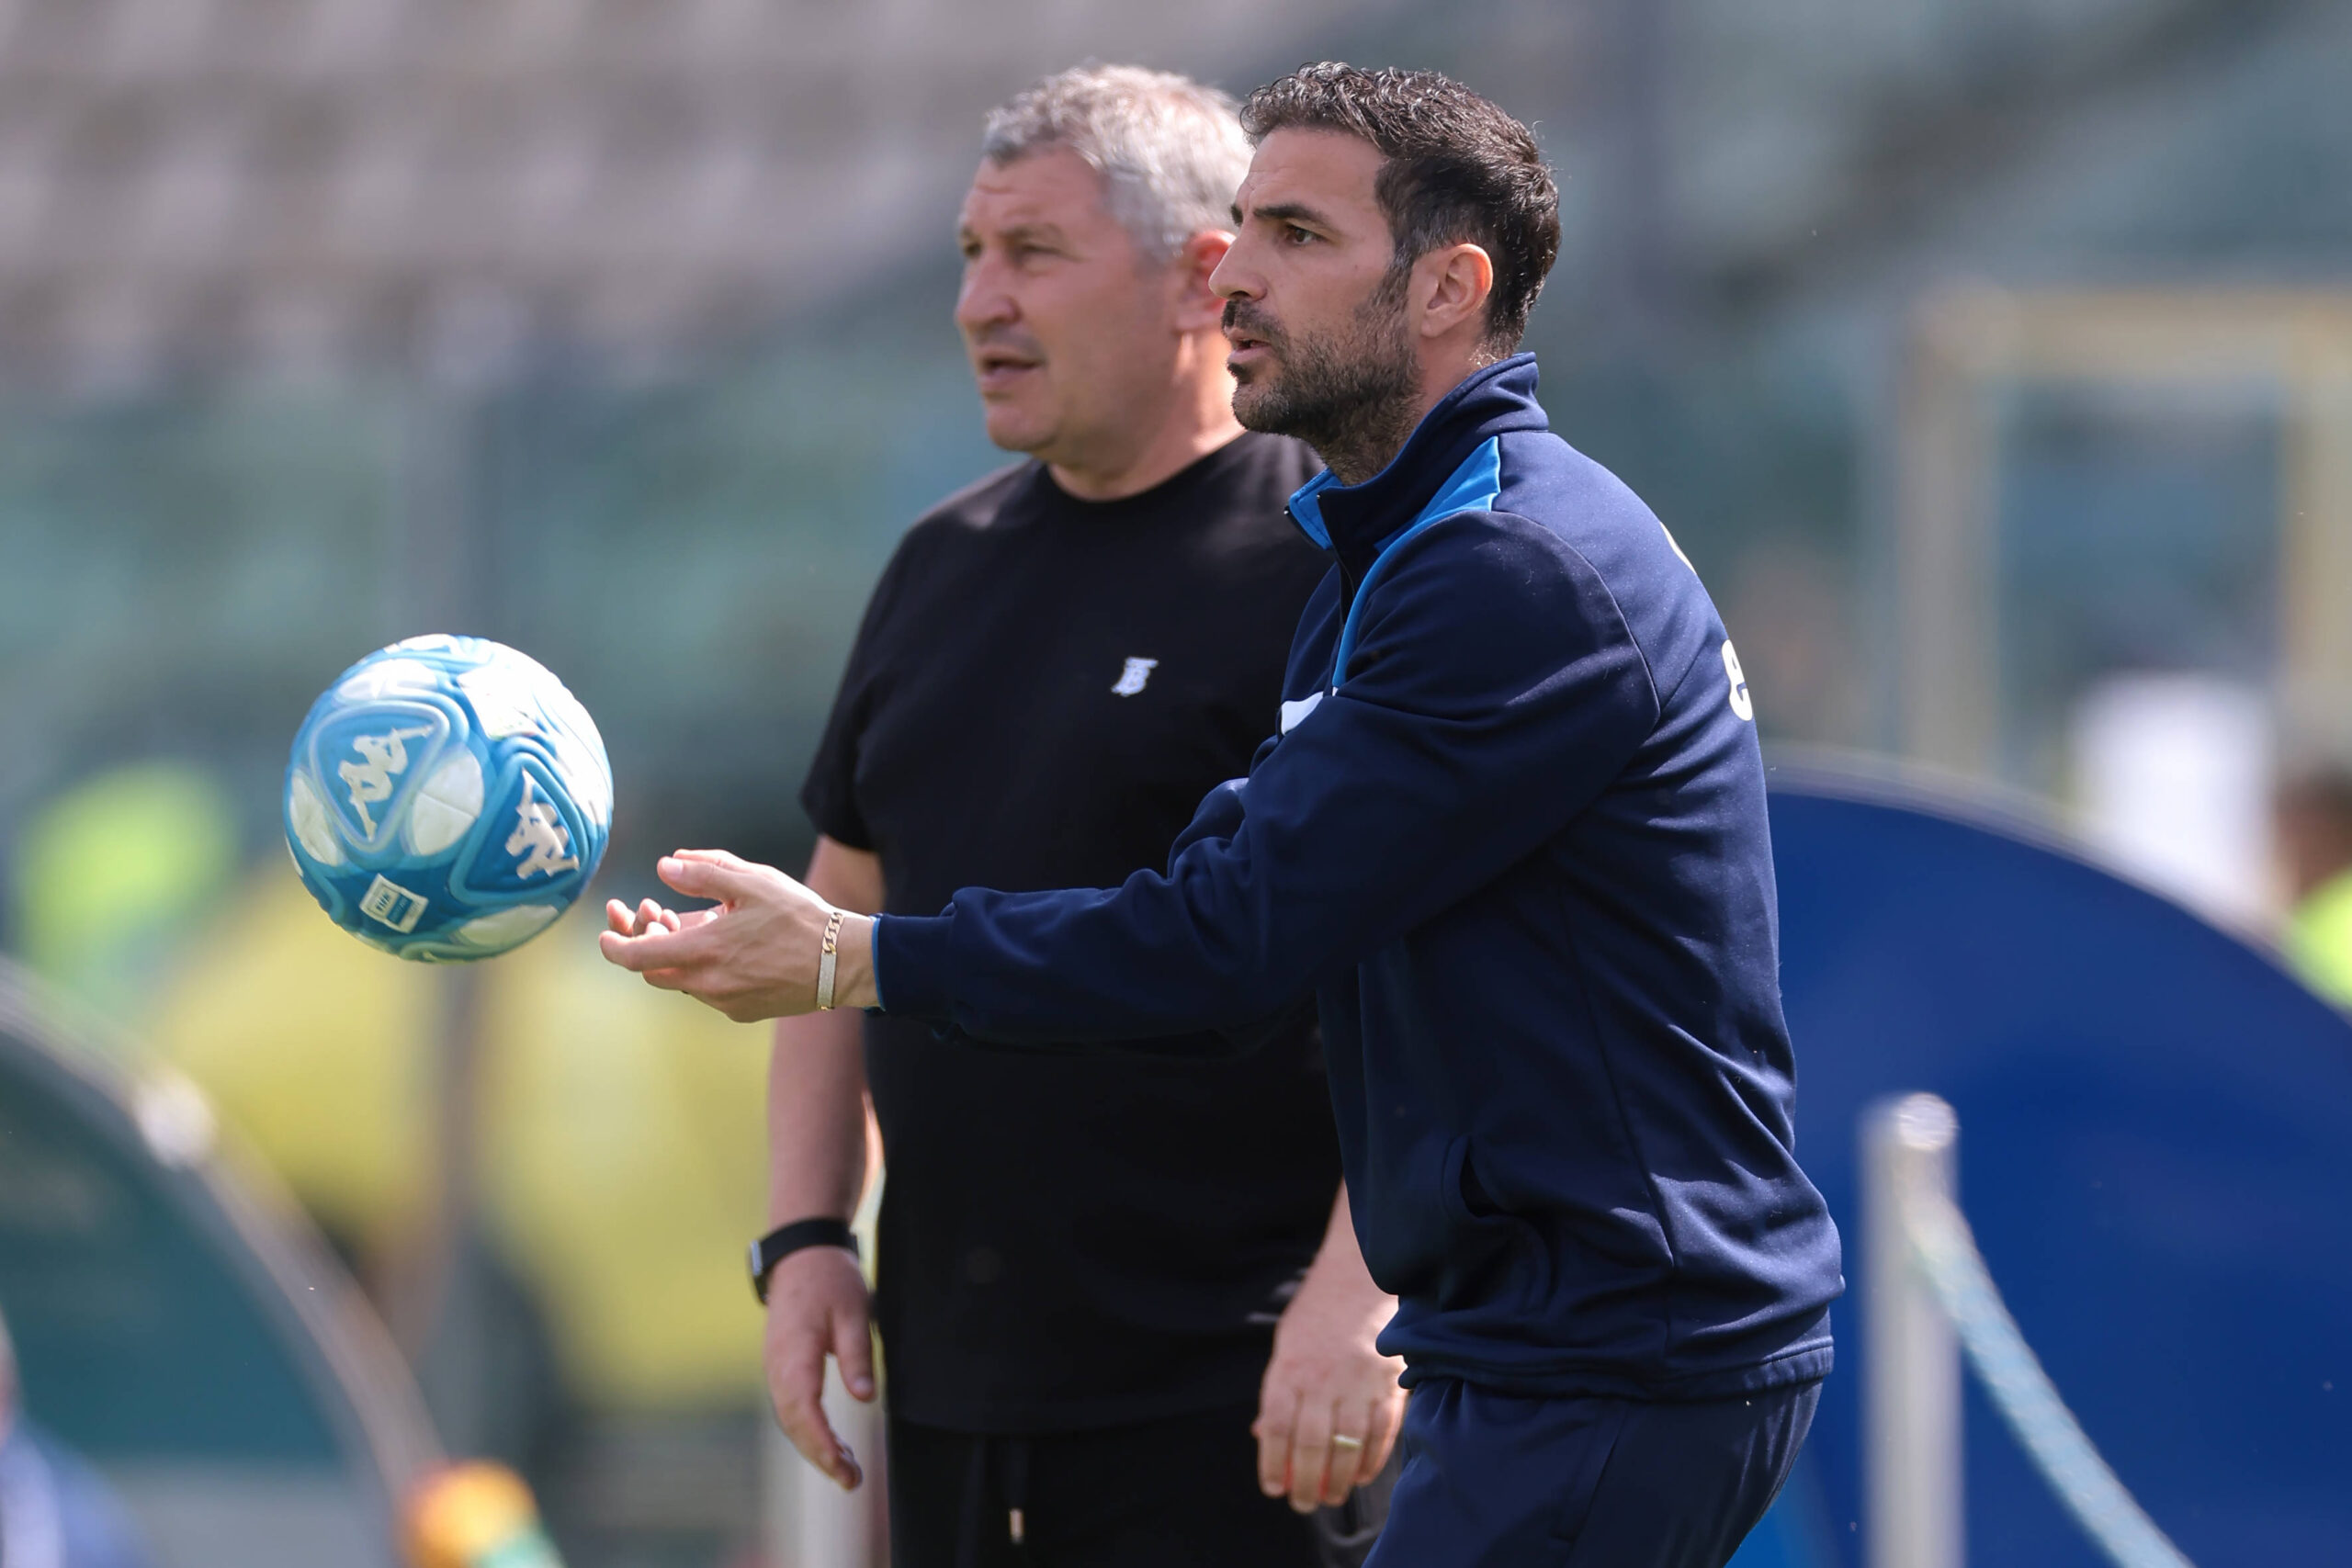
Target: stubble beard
[{"x": 1349, "y": 395}]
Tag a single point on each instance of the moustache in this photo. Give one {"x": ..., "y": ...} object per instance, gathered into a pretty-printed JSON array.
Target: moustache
[
  {"x": 1248, "y": 320},
  {"x": 1003, "y": 341}
]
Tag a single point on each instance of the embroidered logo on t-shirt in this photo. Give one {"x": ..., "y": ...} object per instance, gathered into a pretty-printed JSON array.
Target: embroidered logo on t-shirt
[{"x": 1132, "y": 679}]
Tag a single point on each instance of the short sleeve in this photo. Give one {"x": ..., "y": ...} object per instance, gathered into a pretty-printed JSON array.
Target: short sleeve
[{"x": 828, "y": 794}]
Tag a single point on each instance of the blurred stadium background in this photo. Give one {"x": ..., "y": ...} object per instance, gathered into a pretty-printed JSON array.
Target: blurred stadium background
[{"x": 1992, "y": 359}]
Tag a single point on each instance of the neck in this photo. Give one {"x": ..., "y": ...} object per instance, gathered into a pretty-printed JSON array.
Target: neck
[
  {"x": 1196, "y": 420},
  {"x": 1373, "y": 442},
  {"x": 1380, "y": 433}
]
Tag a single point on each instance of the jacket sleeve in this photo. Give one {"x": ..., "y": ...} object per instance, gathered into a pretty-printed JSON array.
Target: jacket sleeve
[{"x": 1494, "y": 692}]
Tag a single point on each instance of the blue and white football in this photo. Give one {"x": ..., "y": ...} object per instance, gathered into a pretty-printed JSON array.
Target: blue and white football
[{"x": 448, "y": 798}]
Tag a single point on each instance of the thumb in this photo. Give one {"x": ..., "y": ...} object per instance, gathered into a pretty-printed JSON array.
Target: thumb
[
  {"x": 853, "y": 1350},
  {"x": 718, "y": 857},
  {"x": 698, "y": 874}
]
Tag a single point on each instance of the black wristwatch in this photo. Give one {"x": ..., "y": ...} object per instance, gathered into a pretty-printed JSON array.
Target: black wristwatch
[{"x": 782, "y": 1242}]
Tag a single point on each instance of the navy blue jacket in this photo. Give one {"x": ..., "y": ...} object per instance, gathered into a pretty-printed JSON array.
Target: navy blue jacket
[{"x": 1512, "y": 833}]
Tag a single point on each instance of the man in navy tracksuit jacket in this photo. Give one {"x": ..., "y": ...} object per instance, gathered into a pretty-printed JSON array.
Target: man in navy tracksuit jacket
[{"x": 1512, "y": 835}]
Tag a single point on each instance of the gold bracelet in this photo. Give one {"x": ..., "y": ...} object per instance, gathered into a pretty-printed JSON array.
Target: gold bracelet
[{"x": 825, "y": 964}]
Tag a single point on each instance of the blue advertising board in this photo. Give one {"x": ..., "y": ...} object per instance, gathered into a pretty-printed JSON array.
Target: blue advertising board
[{"x": 2155, "y": 1153}]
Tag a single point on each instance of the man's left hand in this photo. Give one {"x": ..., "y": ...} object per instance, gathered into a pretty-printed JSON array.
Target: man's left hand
[
  {"x": 753, "y": 956},
  {"x": 1328, "y": 1379}
]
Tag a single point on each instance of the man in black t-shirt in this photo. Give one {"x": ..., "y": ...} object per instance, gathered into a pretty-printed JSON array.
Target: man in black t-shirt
[{"x": 1121, "y": 1297}]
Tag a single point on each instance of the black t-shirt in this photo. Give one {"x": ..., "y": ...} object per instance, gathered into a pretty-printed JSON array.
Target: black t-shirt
[{"x": 1041, "y": 693}]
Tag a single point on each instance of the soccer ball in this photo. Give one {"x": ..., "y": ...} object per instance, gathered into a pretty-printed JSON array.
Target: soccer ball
[{"x": 446, "y": 799}]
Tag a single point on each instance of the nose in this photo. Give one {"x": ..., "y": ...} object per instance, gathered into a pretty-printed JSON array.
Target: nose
[
  {"x": 1237, "y": 276},
  {"x": 983, "y": 301}
]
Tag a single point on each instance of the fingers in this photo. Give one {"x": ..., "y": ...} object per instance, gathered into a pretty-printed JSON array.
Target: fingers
[
  {"x": 1352, "y": 1463},
  {"x": 1295, "y": 1455},
  {"x": 797, "y": 1386},
  {"x": 646, "y": 918},
  {"x": 750, "y": 958},
  {"x": 1382, "y": 1423},
  {"x": 624, "y": 950},
  {"x": 711, "y": 873},
  {"x": 661, "y": 948},
  {"x": 817, "y": 1303},
  {"x": 854, "y": 1352},
  {"x": 1310, "y": 1456},
  {"x": 1277, "y": 1416}
]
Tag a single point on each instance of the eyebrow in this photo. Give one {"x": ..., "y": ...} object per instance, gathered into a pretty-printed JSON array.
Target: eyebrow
[
  {"x": 1283, "y": 212},
  {"x": 1047, "y": 232}
]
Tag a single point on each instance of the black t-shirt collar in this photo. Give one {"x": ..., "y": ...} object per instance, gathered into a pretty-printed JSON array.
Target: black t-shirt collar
[{"x": 1047, "y": 491}]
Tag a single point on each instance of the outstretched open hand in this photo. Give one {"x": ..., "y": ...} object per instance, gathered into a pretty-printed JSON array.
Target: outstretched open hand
[{"x": 753, "y": 955}]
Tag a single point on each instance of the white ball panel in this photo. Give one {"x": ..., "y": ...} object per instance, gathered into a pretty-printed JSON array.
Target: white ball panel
[
  {"x": 591, "y": 786},
  {"x": 502, "y": 701},
  {"x": 507, "y": 926},
  {"x": 448, "y": 804},
  {"x": 312, "y": 824},
  {"x": 579, "y": 751},
  {"x": 569, "y": 712},
  {"x": 393, "y": 675}
]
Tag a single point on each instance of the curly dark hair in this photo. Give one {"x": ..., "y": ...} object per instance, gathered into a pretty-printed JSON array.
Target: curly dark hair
[{"x": 1458, "y": 170}]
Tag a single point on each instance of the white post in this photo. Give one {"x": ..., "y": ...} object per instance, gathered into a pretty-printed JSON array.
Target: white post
[
  {"x": 807, "y": 1521},
  {"x": 1911, "y": 1397},
  {"x": 811, "y": 1522}
]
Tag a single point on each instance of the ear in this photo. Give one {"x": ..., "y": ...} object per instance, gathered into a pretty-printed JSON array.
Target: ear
[
  {"x": 1451, "y": 287},
  {"x": 1198, "y": 308}
]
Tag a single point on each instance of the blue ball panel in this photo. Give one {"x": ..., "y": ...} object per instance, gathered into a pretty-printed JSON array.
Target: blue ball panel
[
  {"x": 446, "y": 799},
  {"x": 370, "y": 759}
]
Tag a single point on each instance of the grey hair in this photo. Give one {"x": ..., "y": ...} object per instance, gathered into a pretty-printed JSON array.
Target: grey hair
[{"x": 1169, "y": 150}]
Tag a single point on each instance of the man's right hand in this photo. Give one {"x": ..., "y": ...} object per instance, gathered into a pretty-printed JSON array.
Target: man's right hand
[{"x": 817, "y": 1306}]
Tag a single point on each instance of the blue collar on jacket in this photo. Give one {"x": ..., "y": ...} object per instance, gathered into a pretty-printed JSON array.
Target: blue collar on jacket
[
  {"x": 1357, "y": 522},
  {"x": 1451, "y": 463}
]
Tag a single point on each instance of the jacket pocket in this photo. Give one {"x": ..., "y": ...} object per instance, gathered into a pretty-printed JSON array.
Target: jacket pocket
[{"x": 1489, "y": 1261}]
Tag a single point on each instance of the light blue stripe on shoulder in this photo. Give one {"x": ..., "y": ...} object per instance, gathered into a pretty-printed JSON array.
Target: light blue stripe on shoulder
[
  {"x": 1472, "y": 487},
  {"x": 1475, "y": 487}
]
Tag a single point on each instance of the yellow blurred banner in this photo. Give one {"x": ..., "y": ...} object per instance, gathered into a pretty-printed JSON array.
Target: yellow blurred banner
[{"x": 619, "y": 1158}]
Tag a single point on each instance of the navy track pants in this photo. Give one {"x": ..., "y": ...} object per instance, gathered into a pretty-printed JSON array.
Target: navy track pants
[{"x": 1503, "y": 1481}]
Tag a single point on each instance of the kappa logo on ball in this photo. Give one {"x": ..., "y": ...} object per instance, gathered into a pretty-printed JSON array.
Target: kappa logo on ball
[
  {"x": 382, "y": 758},
  {"x": 539, "y": 838}
]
